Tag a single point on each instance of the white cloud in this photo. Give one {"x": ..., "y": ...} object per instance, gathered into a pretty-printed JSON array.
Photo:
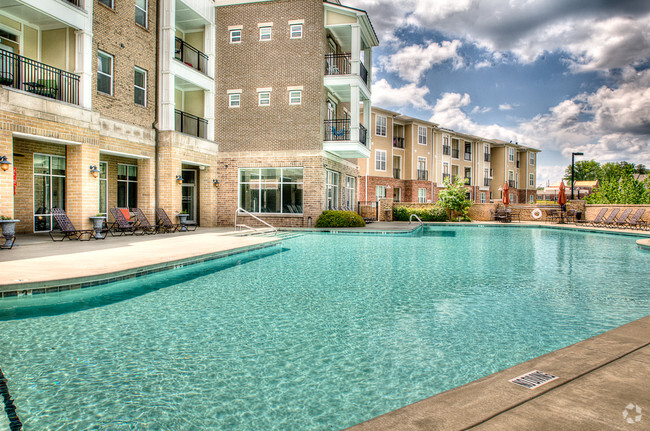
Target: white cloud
[
  {"x": 384, "y": 95},
  {"x": 481, "y": 109},
  {"x": 505, "y": 107},
  {"x": 411, "y": 62}
]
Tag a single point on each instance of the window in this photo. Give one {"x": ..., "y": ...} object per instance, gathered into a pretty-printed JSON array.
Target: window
[
  {"x": 397, "y": 194},
  {"x": 455, "y": 148},
  {"x": 531, "y": 180},
  {"x": 380, "y": 125},
  {"x": 108, "y": 3},
  {"x": 49, "y": 189},
  {"x": 127, "y": 186},
  {"x": 234, "y": 100},
  {"x": 468, "y": 176},
  {"x": 235, "y": 36},
  {"x": 140, "y": 87},
  {"x": 468, "y": 195},
  {"x": 332, "y": 189},
  {"x": 445, "y": 168},
  {"x": 141, "y": 12},
  {"x": 296, "y": 31},
  {"x": 103, "y": 188},
  {"x": 295, "y": 97},
  {"x": 264, "y": 98},
  {"x": 422, "y": 135},
  {"x": 468, "y": 151},
  {"x": 422, "y": 196},
  {"x": 512, "y": 198},
  {"x": 511, "y": 176},
  {"x": 380, "y": 160},
  {"x": 482, "y": 197},
  {"x": 104, "y": 73},
  {"x": 265, "y": 33},
  {"x": 422, "y": 169},
  {"x": 511, "y": 154},
  {"x": 351, "y": 192},
  {"x": 531, "y": 199},
  {"x": 532, "y": 158},
  {"x": 271, "y": 190},
  {"x": 380, "y": 192}
]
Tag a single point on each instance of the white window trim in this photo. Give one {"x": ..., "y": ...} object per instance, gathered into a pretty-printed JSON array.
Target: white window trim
[
  {"x": 259, "y": 98},
  {"x": 422, "y": 159},
  {"x": 136, "y": 68},
  {"x": 127, "y": 181},
  {"x": 420, "y": 128},
  {"x": 239, "y": 183},
  {"x": 483, "y": 197},
  {"x": 104, "y": 74},
  {"x": 231, "y": 33},
  {"x": 377, "y": 152},
  {"x": 531, "y": 180},
  {"x": 385, "y": 126},
  {"x": 263, "y": 32},
  {"x": 511, "y": 154},
  {"x": 299, "y": 97},
  {"x": 291, "y": 26},
  {"x": 383, "y": 194},
  {"x": 231, "y": 100},
  {"x": 531, "y": 158},
  {"x": 422, "y": 199},
  {"x": 146, "y": 13}
]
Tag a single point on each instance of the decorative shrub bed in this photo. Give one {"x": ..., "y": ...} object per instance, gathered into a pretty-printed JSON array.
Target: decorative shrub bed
[
  {"x": 339, "y": 219},
  {"x": 435, "y": 213}
]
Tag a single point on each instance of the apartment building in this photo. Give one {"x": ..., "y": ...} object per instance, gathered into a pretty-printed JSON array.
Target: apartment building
[
  {"x": 293, "y": 84},
  {"x": 410, "y": 159}
]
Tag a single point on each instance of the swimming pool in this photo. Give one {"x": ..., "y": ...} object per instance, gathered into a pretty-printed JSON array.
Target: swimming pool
[{"x": 322, "y": 332}]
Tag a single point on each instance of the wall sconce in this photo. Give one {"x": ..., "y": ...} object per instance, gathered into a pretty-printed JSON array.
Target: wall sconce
[
  {"x": 94, "y": 171},
  {"x": 215, "y": 183},
  {"x": 4, "y": 163},
  {"x": 179, "y": 179}
]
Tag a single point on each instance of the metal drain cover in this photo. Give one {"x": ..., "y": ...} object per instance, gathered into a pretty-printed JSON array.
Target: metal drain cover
[{"x": 533, "y": 379}]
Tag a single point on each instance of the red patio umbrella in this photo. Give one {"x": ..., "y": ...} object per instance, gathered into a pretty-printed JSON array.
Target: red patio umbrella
[
  {"x": 506, "y": 195},
  {"x": 561, "y": 199}
]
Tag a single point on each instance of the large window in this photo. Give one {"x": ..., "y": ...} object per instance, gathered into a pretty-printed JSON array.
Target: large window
[
  {"x": 511, "y": 154},
  {"x": 140, "y": 87},
  {"x": 49, "y": 189},
  {"x": 103, "y": 188},
  {"x": 482, "y": 197},
  {"x": 141, "y": 12},
  {"x": 271, "y": 190},
  {"x": 350, "y": 192},
  {"x": 127, "y": 186},
  {"x": 380, "y": 192},
  {"x": 380, "y": 125},
  {"x": 468, "y": 175},
  {"x": 422, "y": 135},
  {"x": 422, "y": 196},
  {"x": 104, "y": 73},
  {"x": 532, "y": 158},
  {"x": 531, "y": 180},
  {"x": 332, "y": 189},
  {"x": 380, "y": 160}
]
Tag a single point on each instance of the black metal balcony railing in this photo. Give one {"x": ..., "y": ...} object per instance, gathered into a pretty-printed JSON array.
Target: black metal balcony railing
[
  {"x": 190, "y": 124},
  {"x": 446, "y": 150},
  {"x": 191, "y": 56},
  {"x": 29, "y": 75},
  {"x": 517, "y": 163},
  {"x": 486, "y": 157},
  {"x": 339, "y": 64},
  {"x": 468, "y": 157},
  {"x": 396, "y": 173},
  {"x": 398, "y": 142},
  {"x": 339, "y": 130},
  {"x": 455, "y": 153},
  {"x": 423, "y": 175},
  {"x": 486, "y": 182},
  {"x": 511, "y": 183}
]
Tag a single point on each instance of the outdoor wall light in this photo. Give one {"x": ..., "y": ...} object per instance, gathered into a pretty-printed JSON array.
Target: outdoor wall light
[
  {"x": 94, "y": 171},
  {"x": 179, "y": 179},
  {"x": 4, "y": 163},
  {"x": 215, "y": 183}
]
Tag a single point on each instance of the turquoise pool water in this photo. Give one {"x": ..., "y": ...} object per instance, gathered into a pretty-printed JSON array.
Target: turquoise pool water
[{"x": 323, "y": 332}]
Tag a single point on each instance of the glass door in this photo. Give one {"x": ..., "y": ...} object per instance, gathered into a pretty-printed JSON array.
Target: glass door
[
  {"x": 49, "y": 189},
  {"x": 188, "y": 197}
]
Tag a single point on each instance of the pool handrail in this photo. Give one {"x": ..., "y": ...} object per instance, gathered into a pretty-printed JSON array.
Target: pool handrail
[
  {"x": 273, "y": 229},
  {"x": 416, "y": 216}
]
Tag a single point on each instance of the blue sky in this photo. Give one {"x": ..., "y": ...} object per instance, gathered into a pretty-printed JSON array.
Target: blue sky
[{"x": 558, "y": 75}]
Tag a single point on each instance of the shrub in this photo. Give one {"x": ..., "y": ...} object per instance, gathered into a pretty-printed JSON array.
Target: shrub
[
  {"x": 339, "y": 219},
  {"x": 435, "y": 213}
]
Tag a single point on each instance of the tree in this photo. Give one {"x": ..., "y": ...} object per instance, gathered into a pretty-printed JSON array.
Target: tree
[
  {"x": 616, "y": 169},
  {"x": 621, "y": 190},
  {"x": 641, "y": 169},
  {"x": 585, "y": 170},
  {"x": 454, "y": 197}
]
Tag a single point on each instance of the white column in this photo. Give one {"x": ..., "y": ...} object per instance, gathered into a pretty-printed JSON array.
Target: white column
[
  {"x": 355, "y": 55},
  {"x": 367, "y": 113},
  {"x": 209, "y": 47},
  {"x": 367, "y": 60},
  {"x": 166, "y": 77},
  {"x": 84, "y": 66},
  {"x": 354, "y": 113},
  {"x": 208, "y": 113}
]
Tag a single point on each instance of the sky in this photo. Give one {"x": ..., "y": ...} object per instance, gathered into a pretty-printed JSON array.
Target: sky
[{"x": 562, "y": 76}]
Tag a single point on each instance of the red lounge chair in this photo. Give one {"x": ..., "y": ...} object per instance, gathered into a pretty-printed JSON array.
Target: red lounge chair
[{"x": 122, "y": 225}]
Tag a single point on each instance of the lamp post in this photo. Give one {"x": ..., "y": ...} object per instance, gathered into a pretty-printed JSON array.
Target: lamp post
[{"x": 572, "y": 169}]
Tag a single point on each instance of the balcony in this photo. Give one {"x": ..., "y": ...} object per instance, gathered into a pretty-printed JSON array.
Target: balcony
[
  {"x": 423, "y": 175},
  {"x": 41, "y": 79},
  {"x": 397, "y": 173},
  {"x": 186, "y": 53},
  {"x": 511, "y": 184},
  {"x": 455, "y": 153},
  {"x": 339, "y": 64},
  {"x": 446, "y": 150},
  {"x": 190, "y": 124},
  {"x": 468, "y": 157},
  {"x": 486, "y": 182},
  {"x": 486, "y": 157},
  {"x": 398, "y": 142},
  {"x": 338, "y": 140}
]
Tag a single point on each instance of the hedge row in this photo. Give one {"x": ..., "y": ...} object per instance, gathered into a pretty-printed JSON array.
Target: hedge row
[{"x": 435, "y": 213}]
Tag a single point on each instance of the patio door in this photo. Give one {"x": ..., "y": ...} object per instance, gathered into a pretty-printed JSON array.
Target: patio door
[
  {"x": 188, "y": 198},
  {"x": 49, "y": 189}
]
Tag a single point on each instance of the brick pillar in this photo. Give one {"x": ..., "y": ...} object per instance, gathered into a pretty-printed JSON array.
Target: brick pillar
[
  {"x": 207, "y": 196},
  {"x": 82, "y": 189},
  {"x": 169, "y": 165},
  {"x": 385, "y": 209},
  {"x": 7, "y": 177},
  {"x": 147, "y": 188}
]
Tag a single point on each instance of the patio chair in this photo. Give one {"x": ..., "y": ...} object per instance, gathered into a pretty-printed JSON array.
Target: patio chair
[
  {"x": 164, "y": 223},
  {"x": 67, "y": 229},
  {"x": 570, "y": 215},
  {"x": 142, "y": 222},
  {"x": 622, "y": 220},
  {"x": 635, "y": 222},
  {"x": 596, "y": 220},
  {"x": 496, "y": 216},
  {"x": 512, "y": 214},
  {"x": 552, "y": 215},
  {"x": 122, "y": 225},
  {"x": 503, "y": 215},
  {"x": 610, "y": 218}
]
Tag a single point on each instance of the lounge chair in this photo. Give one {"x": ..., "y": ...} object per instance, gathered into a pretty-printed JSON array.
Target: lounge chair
[
  {"x": 622, "y": 219},
  {"x": 635, "y": 222},
  {"x": 67, "y": 229},
  {"x": 165, "y": 224},
  {"x": 142, "y": 222},
  {"x": 610, "y": 218},
  {"x": 598, "y": 219},
  {"x": 497, "y": 216},
  {"x": 122, "y": 225}
]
